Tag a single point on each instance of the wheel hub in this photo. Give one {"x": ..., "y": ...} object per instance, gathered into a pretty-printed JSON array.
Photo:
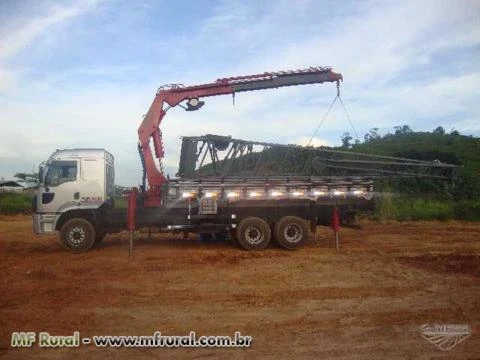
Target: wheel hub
[
  {"x": 292, "y": 233},
  {"x": 253, "y": 235},
  {"x": 77, "y": 235}
]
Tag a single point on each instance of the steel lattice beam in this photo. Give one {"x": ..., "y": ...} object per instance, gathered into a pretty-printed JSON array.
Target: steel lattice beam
[{"x": 215, "y": 155}]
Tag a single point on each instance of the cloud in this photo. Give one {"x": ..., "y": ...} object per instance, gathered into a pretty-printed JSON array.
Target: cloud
[
  {"x": 7, "y": 80},
  {"x": 20, "y": 32},
  {"x": 306, "y": 141},
  {"x": 25, "y": 32}
]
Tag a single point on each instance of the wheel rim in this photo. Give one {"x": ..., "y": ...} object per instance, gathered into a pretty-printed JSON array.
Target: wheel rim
[
  {"x": 292, "y": 233},
  {"x": 254, "y": 235},
  {"x": 77, "y": 235}
]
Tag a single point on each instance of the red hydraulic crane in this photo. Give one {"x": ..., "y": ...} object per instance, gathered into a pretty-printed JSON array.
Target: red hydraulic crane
[{"x": 169, "y": 96}]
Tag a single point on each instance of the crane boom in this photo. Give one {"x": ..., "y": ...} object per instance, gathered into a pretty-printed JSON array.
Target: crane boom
[{"x": 169, "y": 96}]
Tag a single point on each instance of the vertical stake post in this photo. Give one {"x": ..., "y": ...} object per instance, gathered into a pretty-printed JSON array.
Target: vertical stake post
[
  {"x": 335, "y": 225},
  {"x": 130, "y": 245},
  {"x": 131, "y": 221}
]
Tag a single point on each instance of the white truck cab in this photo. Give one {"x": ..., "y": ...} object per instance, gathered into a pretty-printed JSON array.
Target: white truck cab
[{"x": 75, "y": 184}]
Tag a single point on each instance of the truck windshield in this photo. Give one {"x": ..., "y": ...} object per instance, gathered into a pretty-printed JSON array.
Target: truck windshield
[{"x": 59, "y": 172}]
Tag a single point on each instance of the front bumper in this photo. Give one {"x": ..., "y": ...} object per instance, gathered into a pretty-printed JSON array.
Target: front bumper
[{"x": 44, "y": 223}]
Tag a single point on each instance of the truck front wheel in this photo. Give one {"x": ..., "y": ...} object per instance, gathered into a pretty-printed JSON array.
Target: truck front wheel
[
  {"x": 77, "y": 235},
  {"x": 253, "y": 233},
  {"x": 291, "y": 232}
]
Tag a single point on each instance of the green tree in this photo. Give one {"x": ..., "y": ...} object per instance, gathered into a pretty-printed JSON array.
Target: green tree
[
  {"x": 26, "y": 177},
  {"x": 346, "y": 138},
  {"x": 439, "y": 130},
  {"x": 403, "y": 129},
  {"x": 372, "y": 135}
]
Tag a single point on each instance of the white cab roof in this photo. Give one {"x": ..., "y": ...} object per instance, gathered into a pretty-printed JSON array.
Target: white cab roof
[{"x": 80, "y": 153}]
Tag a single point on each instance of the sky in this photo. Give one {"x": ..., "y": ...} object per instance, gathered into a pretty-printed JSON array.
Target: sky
[{"x": 82, "y": 73}]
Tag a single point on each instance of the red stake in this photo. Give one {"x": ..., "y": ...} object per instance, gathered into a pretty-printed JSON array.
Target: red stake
[
  {"x": 131, "y": 211},
  {"x": 335, "y": 224}
]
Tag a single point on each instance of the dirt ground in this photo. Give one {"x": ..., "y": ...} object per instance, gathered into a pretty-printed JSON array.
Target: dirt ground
[{"x": 365, "y": 301}]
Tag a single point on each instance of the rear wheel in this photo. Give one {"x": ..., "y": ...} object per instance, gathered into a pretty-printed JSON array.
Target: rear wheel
[
  {"x": 291, "y": 232},
  {"x": 253, "y": 233},
  {"x": 77, "y": 235}
]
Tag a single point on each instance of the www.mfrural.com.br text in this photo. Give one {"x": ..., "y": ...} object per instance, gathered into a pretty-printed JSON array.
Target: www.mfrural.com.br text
[{"x": 46, "y": 340}]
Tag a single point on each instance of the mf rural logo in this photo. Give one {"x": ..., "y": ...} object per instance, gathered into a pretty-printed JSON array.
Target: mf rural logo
[{"x": 446, "y": 336}]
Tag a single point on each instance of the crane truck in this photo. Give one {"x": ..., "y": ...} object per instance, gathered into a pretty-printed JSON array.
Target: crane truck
[{"x": 223, "y": 186}]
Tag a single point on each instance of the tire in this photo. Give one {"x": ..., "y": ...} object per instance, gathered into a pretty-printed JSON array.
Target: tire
[
  {"x": 77, "y": 235},
  {"x": 254, "y": 233},
  {"x": 291, "y": 232}
]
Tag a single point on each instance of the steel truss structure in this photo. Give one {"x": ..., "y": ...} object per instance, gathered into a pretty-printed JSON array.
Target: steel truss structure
[{"x": 223, "y": 156}]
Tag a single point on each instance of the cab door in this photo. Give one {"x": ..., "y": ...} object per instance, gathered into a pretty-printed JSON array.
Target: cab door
[{"x": 60, "y": 187}]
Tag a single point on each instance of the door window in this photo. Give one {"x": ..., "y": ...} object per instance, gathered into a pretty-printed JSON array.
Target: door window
[{"x": 61, "y": 171}]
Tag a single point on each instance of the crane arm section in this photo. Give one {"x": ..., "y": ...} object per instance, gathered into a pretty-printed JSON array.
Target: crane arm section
[{"x": 172, "y": 95}]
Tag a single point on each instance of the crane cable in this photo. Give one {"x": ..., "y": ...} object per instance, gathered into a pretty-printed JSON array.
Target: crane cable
[
  {"x": 348, "y": 117},
  {"x": 328, "y": 112},
  {"x": 323, "y": 119}
]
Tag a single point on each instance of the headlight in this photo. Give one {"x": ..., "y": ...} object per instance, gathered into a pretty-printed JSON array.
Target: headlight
[
  {"x": 297, "y": 193},
  {"x": 276, "y": 193},
  {"x": 188, "y": 194},
  {"x": 210, "y": 194},
  {"x": 233, "y": 194},
  {"x": 255, "y": 193}
]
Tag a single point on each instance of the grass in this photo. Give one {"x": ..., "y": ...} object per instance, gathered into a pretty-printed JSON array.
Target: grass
[
  {"x": 121, "y": 203},
  {"x": 390, "y": 207},
  {"x": 15, "y": 203},
  {"x": 467, "y": 210},
  {"x": 420, "y": 209}
]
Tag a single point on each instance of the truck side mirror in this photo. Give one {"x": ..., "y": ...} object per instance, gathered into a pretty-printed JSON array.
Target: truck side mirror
[{"x": 40, "y": 174}]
